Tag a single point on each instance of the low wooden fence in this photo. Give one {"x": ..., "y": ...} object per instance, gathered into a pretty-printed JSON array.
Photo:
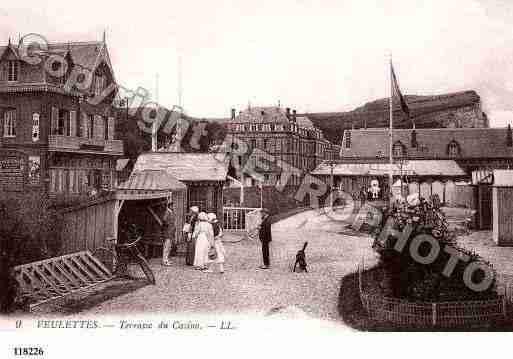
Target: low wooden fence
[
  {"x": 236, "y": 218},
  {"x": 436, "y": 314}
]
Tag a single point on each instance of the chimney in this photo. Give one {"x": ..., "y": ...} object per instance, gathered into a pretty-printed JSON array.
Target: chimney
[
  {"x": 287, "y": 113},
  {"x": 233, "y": 114},
  {"x": 294, "y": 115}
]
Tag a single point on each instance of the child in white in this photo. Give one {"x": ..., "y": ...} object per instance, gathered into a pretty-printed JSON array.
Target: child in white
[{"x": 218, "y": 243}]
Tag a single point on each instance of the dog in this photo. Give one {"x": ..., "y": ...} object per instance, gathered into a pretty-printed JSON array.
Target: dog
[{"x": 301, "y": 260}]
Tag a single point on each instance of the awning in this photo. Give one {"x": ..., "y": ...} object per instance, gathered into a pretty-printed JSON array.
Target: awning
[
  {"x": 445, "y": 168},
  {"x": 148, "y": 184},
  {"x": 503, "y": 178}
]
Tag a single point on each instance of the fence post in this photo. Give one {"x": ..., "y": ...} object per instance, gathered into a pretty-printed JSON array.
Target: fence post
[
  {"x": 434, "y": 314},
  {"x": 504, "y": 306}
]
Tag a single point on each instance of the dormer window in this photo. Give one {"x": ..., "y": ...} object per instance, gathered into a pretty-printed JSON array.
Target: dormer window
[
  {"x": 398, "y": 150},
  {"x": 347, "y": 139},
  {"x": 99, "y": 84},
  {"x": 12, "y": 71},
  {"x": 453, "y": 149}
]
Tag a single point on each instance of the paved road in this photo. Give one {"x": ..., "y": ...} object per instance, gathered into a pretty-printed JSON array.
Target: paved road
[{"x": 243, "y": 289}]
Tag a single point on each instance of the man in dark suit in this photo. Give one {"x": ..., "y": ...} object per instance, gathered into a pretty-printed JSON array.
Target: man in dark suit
[{"x": 265, "y": 237}]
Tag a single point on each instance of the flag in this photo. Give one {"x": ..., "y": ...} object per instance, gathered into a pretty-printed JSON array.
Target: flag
[{"x": 396, "y": 91}]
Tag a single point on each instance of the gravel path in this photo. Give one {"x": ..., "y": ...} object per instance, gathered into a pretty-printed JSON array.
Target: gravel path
[{"x": 244, "y": 289}]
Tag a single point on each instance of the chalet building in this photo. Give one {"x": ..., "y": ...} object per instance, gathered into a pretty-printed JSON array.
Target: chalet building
[
  {"x": 53, "y": 137},
  {"x": 471, "y": 148},
  {"x": 428, "y": 160},
  {"x": 202, "y": 173},
  {"x": 283, "y": 134}
]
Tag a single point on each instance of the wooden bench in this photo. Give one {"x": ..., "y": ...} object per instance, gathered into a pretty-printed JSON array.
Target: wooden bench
[{"x": 50, "y": 279}]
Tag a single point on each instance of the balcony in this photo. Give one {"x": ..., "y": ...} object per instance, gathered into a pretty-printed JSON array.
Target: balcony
[{"x": 60, "y": 143}]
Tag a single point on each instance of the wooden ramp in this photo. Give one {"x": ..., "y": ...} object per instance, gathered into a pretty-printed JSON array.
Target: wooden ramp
[{"x": 57, "y": 277}]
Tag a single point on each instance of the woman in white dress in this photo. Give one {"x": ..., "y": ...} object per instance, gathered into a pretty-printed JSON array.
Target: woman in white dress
[
  {"x": 204, "y": 237},
  {"x": 218, "y": 243}
]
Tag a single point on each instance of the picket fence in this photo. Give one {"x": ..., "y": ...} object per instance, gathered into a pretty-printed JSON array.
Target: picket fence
[{"x": 437, "y": 314}]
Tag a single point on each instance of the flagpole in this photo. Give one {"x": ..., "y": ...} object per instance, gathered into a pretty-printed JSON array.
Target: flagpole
[{"x": 390, "y": 135}]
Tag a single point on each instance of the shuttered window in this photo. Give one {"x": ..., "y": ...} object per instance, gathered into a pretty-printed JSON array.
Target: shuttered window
[
  {"x": 12, "y": 70},
  {"x": 10, "y": 123}
]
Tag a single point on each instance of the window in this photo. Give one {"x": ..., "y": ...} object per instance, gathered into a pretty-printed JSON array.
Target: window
[
  {"x": 453, "y": 149},
  {"x": 35, "y": 127},
  {"x": 347, "y": 139},
  {"x": 106, "y": 127},
  {"x": 10, "y": 123},
  {"x": 63, "y": 125},
  {"x": 99, "y": 84},
  {"x": 91, "y": 126},
  {"x": 12, "y": 70},
  {"x": 106, "y": 182},
  {"x": 82, "y": 129},
  {"x": 253, "y": 143},
  {"x": 266, "y": 143},
  {"x": 398, "y": 150},
  {"x": 198, "y": 197}
]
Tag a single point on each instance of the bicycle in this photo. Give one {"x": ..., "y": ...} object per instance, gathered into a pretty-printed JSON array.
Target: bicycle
[{"x": 119, "y": 256}]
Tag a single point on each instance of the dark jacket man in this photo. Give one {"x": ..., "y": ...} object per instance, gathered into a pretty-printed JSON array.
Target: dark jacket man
[{"x": 265, "y": 237}]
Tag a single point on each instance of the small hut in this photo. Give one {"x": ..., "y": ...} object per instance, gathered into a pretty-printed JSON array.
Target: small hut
[
  {"x": 204, "y": 174},
  {"x": 145, "y": 195},
  {"x": 502, "y": 207},
  {"x": 140, "y": 200}
]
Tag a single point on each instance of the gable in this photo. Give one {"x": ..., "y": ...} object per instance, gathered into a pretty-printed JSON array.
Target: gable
[{"x": 8, "y": 53}]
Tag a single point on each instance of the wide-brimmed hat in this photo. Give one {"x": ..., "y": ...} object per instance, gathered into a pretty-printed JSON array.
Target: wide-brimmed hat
[
  {"x": 194, "y": 209},
  {"x": 212, "y": 217},
  {"x": 202, "y": 216}
]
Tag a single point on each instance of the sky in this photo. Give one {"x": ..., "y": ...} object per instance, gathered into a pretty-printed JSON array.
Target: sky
[{"x": 316, "y": 56}]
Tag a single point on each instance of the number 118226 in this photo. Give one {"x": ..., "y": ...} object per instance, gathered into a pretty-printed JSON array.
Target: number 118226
[{"x": 28, "y": 351}]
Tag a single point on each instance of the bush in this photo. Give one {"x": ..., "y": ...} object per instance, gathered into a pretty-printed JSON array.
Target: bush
[
  {"x": 29, "y": 231},
  {"x": 406, "y": 278}
]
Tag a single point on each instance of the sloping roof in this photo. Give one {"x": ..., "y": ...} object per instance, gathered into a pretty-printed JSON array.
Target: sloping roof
[
  {"x": 304, "y": 121},
  {"x": 148, "y": 184},
  {"x": 412, "y": 168},
  {"x": 262, "y": 114},
  {"x": 151, "y": 180},
  {"x": 185, "y": 166},
  {"x": 82, "y": 53},
  {"x": 432, "y": 142}
]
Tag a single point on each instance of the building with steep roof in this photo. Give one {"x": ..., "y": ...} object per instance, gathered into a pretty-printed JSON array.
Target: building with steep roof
[
  {"x": 203, "y": 174},
  {"x": 431, "y": 160},
  {"x": 471, "y": 148},
  {"x": 56, "y": 119},
  {"x": 283, "y": 134}
]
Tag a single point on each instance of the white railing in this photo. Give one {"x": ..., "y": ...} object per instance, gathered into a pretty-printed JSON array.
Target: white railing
[{"x": 236, "y": 218}]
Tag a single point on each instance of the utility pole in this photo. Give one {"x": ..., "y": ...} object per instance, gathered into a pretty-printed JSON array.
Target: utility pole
[
  {"x": 332, "y": 164},
  {"x": 390, "y": 134}
]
